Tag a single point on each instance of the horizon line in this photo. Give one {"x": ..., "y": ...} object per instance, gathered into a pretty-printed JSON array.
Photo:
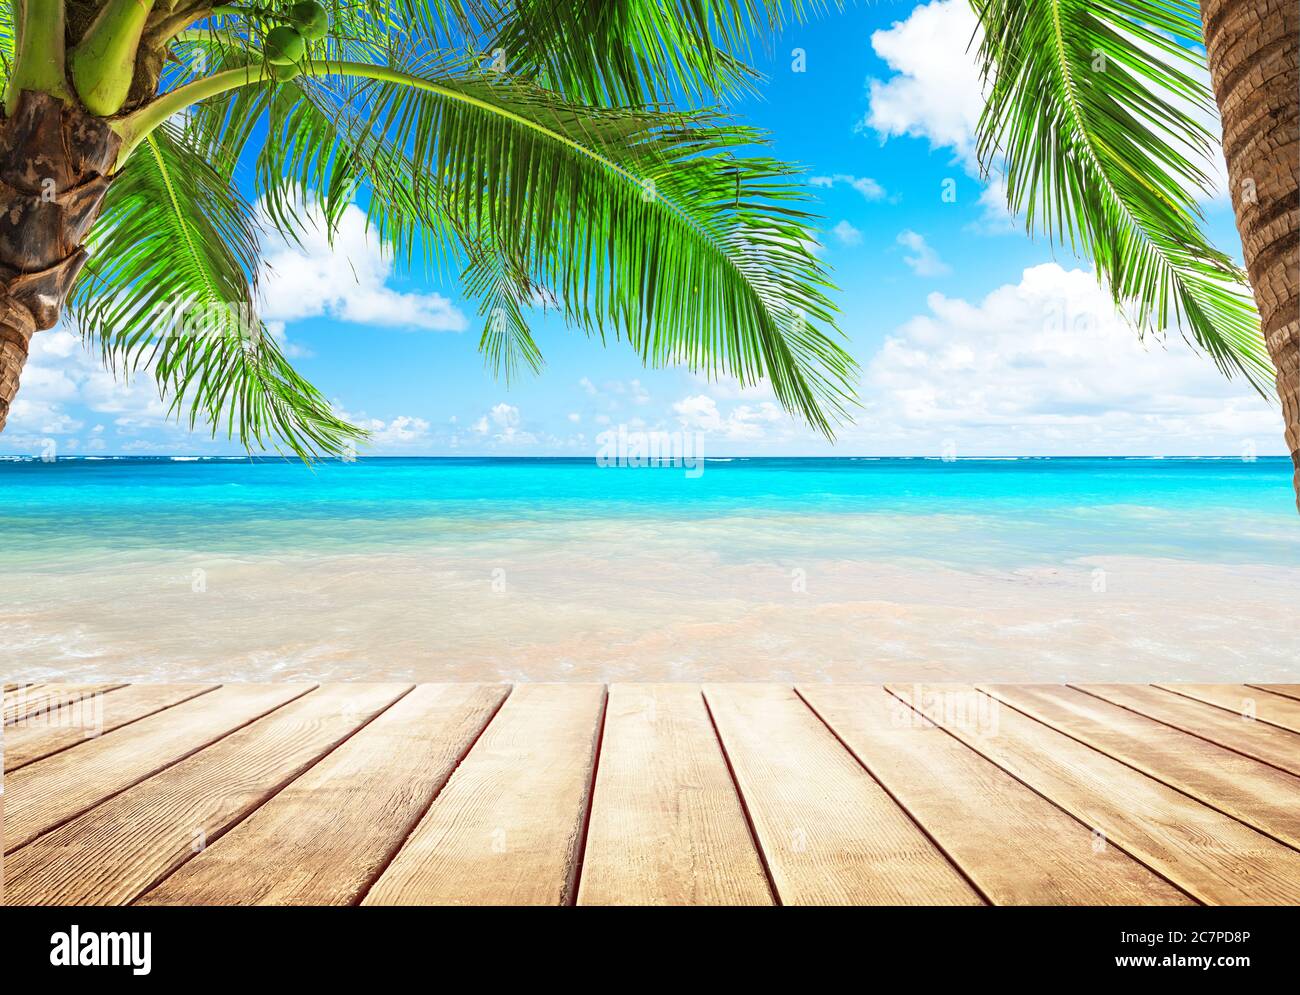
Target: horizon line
[{"x": 288, "y": 457}]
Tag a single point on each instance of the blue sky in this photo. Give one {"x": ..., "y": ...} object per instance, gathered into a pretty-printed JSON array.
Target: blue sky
[{"x": 973, "y": 339}]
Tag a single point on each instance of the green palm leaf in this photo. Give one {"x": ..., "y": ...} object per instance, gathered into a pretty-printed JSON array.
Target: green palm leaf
[
  {"x": 634, "y": 52},
  {"x": 171, "y": 286},
  {"x": 1088, "y": 112},
  {"x": 7, "y": 39},
  {"x": 644, "y": 225}
]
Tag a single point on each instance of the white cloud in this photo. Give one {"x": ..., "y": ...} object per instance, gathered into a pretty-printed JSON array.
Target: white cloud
[
  {"x": 996, "y": 217},
  {"x": 502, "y": 422},
  {"x": 750, "y": 423},
  {"x": 27, "y": 415},
  {"x": 744, "y": 423},
  {"x": 403, "y": 430},
  {"x": 923, "y": 261},
  {"x": 936, "y": 92},
  {"x": 61, "y": 372},
  {"x": 699, "y": 413},
  {"x": 864, "y": 185},
  {"x": 347, "y": 281},
  {"x": 1046, "y": 366},
  {"x": 847, "y": 234},
  {"x": 505, "y": 415}
]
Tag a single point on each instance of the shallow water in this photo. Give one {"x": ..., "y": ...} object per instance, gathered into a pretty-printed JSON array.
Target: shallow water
[{"x": 476, "y": 569}]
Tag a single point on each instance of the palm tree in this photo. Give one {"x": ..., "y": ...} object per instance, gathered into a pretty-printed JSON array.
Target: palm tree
[
  {"x": 521, "y": 144},
  {"x": 1093, "y": 114}
]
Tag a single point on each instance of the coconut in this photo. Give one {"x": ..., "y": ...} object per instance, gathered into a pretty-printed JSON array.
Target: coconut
[
  {"x": 310, "y": 19},
  {"x": 284, "y": 46}
]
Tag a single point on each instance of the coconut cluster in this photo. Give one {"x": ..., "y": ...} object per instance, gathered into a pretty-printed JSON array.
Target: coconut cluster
[{"x": 286, "y": 44}]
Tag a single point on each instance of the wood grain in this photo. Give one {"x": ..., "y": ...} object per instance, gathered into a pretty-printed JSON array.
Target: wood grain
[
  {"x": 1016, "y": 847},
  {"x": 50, "y": 791},
  {"x": 325, "y": 837},
  {"x": 667, "y": 827},
  {"x": 26, "y": 702},
  {"x": 1257, "y": 794},
  {"x": 507, "y": 828},
  {"x": 176, "y": 813},
  {"x": 1285, "y": 690},
  {"x": 1247, "y": 736},
  {"x": 1243, "y": 701},
  {"x": 89, "y": 718},
  {"x": 830, "y": 835},
  {"x": 1209, "y": 855},
  {"x": 656, "y": 794}
]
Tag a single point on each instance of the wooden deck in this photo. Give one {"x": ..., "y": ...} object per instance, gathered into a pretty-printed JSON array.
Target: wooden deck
[{"x": 558, "y": 794}]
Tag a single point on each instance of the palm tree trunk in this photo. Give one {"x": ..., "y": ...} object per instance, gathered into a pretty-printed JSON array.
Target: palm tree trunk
[
  {"x": 1252, "y": 48},
  {"x": 55, "y": 161}
]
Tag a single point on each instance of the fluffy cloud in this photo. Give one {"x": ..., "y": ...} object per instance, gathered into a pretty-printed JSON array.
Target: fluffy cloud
[
  {"x": 923, "y": 261},
  {"x": 502, "y": 423},
  {"x": 936, "y": 92},
  {"x": 864, "y": 185},
  {"x": 847, "y": 234},
  {"x": 59, "y": 373},
  {"x": 395, "y": 433},
  {"x": 744, "y": 423},
  {"x": 347, "y": 281},
  {"x": 996, "y": 217},
  {"x": 1046, "y": 366},
  {"x": 699, "y": 413}
]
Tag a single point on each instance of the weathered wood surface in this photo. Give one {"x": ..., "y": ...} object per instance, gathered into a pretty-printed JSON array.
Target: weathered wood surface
[{"x": 651, "y": 794}]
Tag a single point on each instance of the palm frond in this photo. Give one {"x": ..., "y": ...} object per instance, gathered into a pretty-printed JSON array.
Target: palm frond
[
  {"x": 170, "y": 286},
  {"x": 646, "y": 225},
  {"x": 8, "y": 39},
  {"x": 1089, "y": 112},
  {"x": 505, "y": 291},
  {"x": 661, "y": 228},
  {"x": 634, "y": 52}
]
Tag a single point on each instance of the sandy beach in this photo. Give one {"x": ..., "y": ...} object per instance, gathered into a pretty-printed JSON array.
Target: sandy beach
[{"x": 584, "y": 614}]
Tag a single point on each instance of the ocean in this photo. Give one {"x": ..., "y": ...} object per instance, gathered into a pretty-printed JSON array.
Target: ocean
[{"x": 148, "y": 568}]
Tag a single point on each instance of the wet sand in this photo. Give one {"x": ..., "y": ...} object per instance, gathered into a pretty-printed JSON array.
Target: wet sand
[{"x": 651, "y": 610}]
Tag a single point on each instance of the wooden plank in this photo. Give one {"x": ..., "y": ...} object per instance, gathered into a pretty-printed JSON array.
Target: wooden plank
[
  {"x": 1244, "y": 702},
  {"x": 667, "y": 827},
  {"x": 1257, "y": 794},
  {"x": 325, "y": 837},
  {"x": 1254, "y": 739},
  {"x": 1209, "y": 855},
  {"x": 50, "y": 791},
  {"x": 1018, "y": 848},
  {"x": 507, "y": 828},
  {"x": 30, "y": 701},
  {"x": 89, "y": 718},
  {"x": 9, "y": 695},
  {"x": 175, "y": 814},
  {"x": 829, "y": 833},
  {"x": 1285, "y": 690}
]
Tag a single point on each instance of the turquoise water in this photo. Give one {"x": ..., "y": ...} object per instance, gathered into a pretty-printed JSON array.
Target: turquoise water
[{"x": 991, "y": 512}]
